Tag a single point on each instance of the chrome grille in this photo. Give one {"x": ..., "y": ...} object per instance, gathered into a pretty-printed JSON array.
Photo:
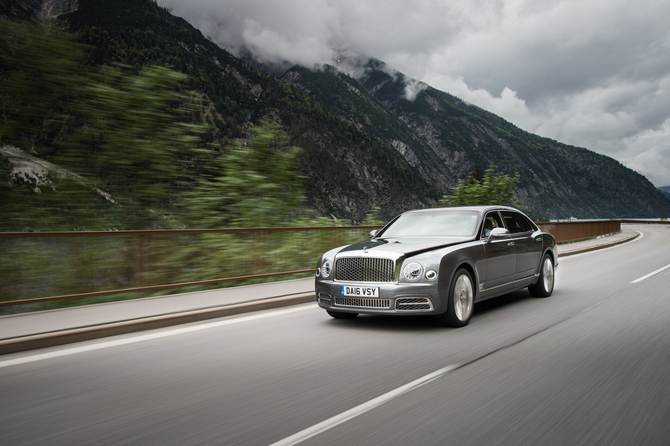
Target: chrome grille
[
  {"x": 364, "y": 269},
  {"x": 413, "y": 303},
  {"x": 363, "y": 303}
]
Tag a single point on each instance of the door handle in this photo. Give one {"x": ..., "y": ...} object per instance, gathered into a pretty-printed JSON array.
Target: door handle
[
  {"x": 539, "y": 239},
  {"x": 510, "y": 244}
]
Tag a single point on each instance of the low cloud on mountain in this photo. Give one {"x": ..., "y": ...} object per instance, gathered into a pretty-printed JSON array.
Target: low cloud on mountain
[{"x": 592, "y": 73}]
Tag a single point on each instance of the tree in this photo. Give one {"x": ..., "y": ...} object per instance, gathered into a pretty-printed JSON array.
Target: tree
[
  {"x": 41, "y": 72},
  {"x": 111, "y": 132},
  {"x": 138, "y": 126},
  {"x": 42, "y": 76},
  {"x": 493, "y": 189},
  {"x": 257, "y": 183}
]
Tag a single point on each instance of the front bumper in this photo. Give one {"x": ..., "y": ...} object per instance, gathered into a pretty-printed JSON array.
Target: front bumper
[{"x": 393, "y": 299}]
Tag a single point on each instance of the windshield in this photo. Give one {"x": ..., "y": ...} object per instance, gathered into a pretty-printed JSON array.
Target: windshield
[{"x": 438, "y": 223}]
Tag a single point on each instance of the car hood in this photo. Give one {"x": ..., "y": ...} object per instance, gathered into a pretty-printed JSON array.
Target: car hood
[{"x": 408, "y": 246}]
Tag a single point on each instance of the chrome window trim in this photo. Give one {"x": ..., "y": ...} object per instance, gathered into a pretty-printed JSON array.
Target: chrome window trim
[{"x": 481, "y": 286}]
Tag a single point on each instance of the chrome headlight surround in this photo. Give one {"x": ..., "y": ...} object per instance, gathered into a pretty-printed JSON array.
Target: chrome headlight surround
[
  {"x": 326, "y": 269},
  {"x": 412, "y": 271}
]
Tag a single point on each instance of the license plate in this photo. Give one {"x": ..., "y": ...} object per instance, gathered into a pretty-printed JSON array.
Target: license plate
[{"x": 361, "y": 291}]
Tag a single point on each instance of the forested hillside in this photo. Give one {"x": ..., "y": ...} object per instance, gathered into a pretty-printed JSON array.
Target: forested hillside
[
  {"x": 87, "y": 143},
  {"x": 446, "y": 139},
  {"x": 345, "y": 172}
]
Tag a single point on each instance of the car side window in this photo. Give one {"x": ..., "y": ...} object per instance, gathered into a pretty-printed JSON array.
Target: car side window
[
  {"x": 491, "y": 221},
  {"x": 516, "y": 222}
]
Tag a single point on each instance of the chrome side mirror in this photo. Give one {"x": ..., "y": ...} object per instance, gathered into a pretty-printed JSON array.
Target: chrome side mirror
[
  {"x": 498, "y": 233},
  {"x": 373, "y": 233}
]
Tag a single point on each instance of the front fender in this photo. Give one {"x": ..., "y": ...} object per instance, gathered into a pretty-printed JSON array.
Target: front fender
[{"x": 469, "y": 257}]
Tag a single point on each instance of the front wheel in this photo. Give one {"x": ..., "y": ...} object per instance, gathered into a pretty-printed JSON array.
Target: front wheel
[
  {"x": 545, "y": 283},
  {"x": 341, "y": 315},
  {"x": 461, "y": 300}
]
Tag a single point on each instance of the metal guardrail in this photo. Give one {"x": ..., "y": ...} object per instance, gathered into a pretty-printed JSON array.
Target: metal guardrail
[
  {"x": 563, "y": 231},
  {"x": 145, "y": 249},
  {"x": 61, "y": 234},
  {"x": 570, "y": 231}
]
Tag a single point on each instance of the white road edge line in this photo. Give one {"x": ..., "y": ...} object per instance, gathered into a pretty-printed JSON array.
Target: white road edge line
[
  {"x": 148, "y": 337},
  {"x": 660, "y": 270},
  {"x": 361, "y": 409},
  {"x": 574, "y": 256}
]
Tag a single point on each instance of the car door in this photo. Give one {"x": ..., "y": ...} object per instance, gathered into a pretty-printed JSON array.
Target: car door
[
  {"x": 500, "y": 253},
  {"x": 527, "y": 242}
]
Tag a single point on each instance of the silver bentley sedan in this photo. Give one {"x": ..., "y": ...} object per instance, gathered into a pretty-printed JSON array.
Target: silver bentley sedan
[{"x": 438, "y": 262}]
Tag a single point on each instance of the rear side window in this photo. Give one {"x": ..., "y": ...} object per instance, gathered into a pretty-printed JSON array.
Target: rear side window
[
  {"x": 516, "y": 222},
  {"x": 491, "y": 221}
]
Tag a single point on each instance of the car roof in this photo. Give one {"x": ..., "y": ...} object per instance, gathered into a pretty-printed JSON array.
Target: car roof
[{"x": 480, "y": 209}]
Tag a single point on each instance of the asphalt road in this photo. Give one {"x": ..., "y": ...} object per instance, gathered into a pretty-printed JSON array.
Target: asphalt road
[{"x": 589, "y": 365}]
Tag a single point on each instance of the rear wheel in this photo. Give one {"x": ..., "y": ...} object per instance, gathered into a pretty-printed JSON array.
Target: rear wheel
[
  {"x": 341, "y": 315},
  {"x": 461, "y": 300},
  {"x": 545, "y": 283}
]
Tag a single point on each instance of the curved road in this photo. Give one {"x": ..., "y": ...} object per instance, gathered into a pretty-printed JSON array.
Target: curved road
[{"x": 589, "y": 365}]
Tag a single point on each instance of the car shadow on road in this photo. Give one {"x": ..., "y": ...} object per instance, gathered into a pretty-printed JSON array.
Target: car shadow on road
[
  {"x": 506, "y": 300},
  {"x": 389, "y": 323}
]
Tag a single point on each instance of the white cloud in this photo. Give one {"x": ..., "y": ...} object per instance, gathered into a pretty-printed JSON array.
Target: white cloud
[
  {"x": 593, "y": 73},
  {"x": 413, "y": 88},
  {"x": 649, "y": 152}
]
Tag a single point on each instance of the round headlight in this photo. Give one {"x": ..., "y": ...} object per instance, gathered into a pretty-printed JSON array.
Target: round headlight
[
  {"x": 412, "y": 271},
  {"x": 326, "y": 269}
]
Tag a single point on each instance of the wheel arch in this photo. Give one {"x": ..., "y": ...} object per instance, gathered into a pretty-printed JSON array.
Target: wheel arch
[
  {"x": 448, "y": 268},
  {"x": 550, "y": 252}
]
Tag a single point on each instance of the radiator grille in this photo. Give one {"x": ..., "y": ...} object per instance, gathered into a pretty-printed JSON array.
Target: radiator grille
[
  {"x": 363, "y": 303},
  {"x": 364, "y": 269}
]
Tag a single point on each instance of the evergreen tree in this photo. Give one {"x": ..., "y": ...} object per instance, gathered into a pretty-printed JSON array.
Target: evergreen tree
[
  {"x": 493, "y": 189},
  {"x": 257, "y": 183},
  {"x": 140, "y": 140}
]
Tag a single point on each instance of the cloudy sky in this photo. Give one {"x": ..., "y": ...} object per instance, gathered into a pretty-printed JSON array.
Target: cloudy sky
[{"x": 592, "y": 73}]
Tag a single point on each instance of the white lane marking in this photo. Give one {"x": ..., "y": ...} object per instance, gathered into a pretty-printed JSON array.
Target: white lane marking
[
  {"x": 361, "y": 409},
  {"x": 660, "y": 270},
  {"x": 574, "y": 256},
  {"x": 148, "y": 337}
]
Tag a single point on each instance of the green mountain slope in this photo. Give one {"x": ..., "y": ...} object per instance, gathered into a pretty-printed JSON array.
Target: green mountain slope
[
  {"x": 346, "y": 171},
  {"x": 363, "y": 143},
  {"x": 448, "y": 139}
]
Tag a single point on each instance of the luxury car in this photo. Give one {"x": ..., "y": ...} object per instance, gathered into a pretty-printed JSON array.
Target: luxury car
[{"x": 438, "y": 262}]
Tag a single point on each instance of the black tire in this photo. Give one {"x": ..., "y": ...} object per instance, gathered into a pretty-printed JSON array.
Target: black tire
[
  {"x": 545, "y": 283},
  {"x": 341, "y": 315},
  {"x": 461, "y": 300}
]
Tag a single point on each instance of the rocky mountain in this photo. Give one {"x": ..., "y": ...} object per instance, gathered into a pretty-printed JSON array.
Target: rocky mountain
[
  {"x": 445, "y": 139},
  {"x": 665, "y": 190},
  {"x": 38, "y": 9},
  {"x": 370, "y": 136}
]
